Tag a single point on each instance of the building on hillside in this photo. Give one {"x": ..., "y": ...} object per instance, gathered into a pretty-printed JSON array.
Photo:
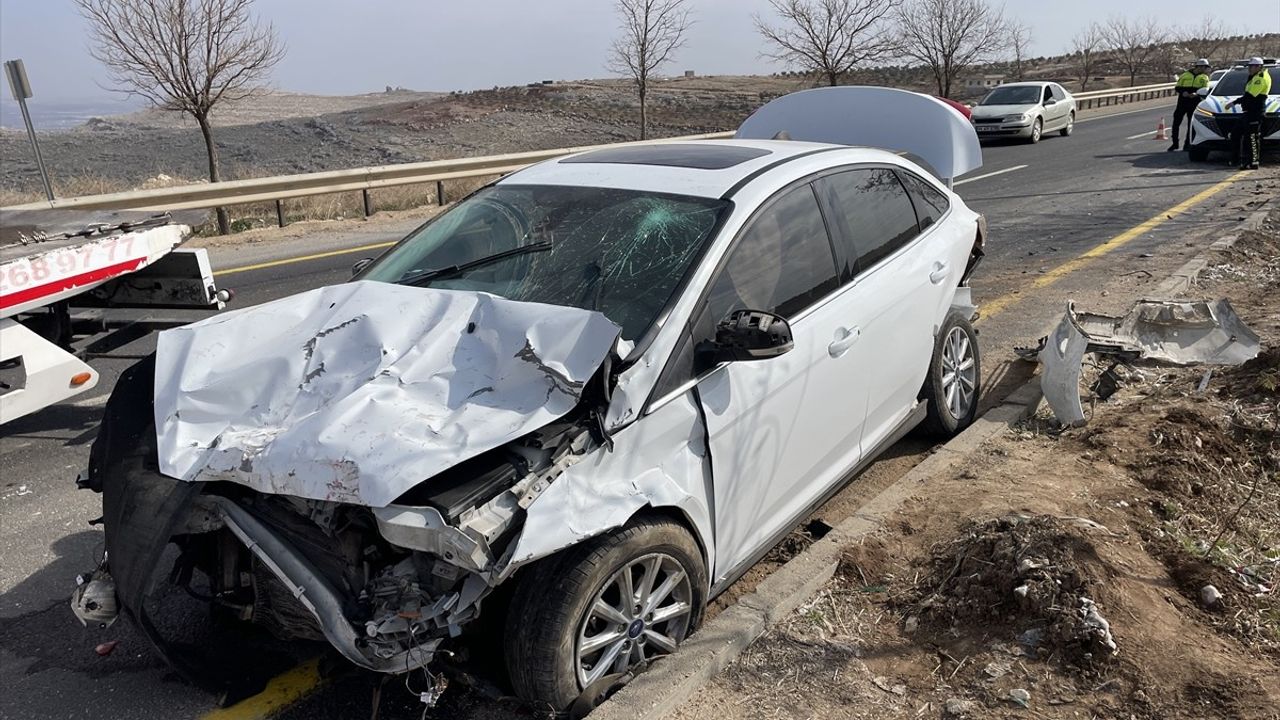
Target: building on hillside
[{"x": 978, "y": 82}]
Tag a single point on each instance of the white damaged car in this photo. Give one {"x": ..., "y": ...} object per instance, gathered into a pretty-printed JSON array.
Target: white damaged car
[{"x": 576, "y": 406}]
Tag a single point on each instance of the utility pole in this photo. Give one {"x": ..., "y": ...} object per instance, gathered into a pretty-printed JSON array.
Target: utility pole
[{"x": 21, "y": 90}]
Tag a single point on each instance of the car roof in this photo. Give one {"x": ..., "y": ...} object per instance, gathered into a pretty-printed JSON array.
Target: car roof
[
  {"x": 709, "y": 169},
  {"x": 1028, "y": 83}
]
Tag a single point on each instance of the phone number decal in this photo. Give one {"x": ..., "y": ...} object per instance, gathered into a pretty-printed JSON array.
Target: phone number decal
[{"x": 56, "y": 265}]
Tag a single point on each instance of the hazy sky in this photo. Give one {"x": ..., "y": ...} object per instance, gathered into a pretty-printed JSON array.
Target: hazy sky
[{"x": 352, "y": 46}]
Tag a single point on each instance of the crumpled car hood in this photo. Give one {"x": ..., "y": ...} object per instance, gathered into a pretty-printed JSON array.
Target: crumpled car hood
[{"x": 358, "y": 392}]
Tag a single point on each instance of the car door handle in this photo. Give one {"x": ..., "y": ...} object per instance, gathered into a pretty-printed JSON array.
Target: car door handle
[
  {"x": 844, "y": 340},
  {"x": 939, "y": 273}
]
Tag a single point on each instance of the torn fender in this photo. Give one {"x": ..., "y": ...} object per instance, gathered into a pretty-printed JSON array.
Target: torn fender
[
  {"x": 661, "y": 463},
  {"x": 358, "y": 392}
]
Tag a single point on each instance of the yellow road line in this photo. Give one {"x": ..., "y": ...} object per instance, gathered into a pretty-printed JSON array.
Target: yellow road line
[
  {"x": 304, "y": 258},
  {"x": 282, "y": 691},
  {"x": 997, "y": 305}
]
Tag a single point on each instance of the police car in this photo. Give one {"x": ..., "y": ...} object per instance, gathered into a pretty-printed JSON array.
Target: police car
[{"x": 1213, "y": 122}]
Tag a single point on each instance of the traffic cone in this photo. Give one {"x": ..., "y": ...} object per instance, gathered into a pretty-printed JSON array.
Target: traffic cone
[{"x": 1160, "y": 131}]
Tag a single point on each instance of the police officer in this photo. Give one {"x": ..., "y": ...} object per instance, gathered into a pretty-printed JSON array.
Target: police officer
[
  {"x": 1254, "y": 104},
  {"x": 1196, "y": 77}
]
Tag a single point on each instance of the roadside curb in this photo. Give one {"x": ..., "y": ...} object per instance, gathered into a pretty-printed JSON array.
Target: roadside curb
[
  {"x": 1184, "y": 278},
  {"x": 673, "y": 680}
]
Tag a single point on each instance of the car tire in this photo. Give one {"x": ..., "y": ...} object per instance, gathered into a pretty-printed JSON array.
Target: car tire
[
  {"x": 953, "y": 387},
  {"x": 1070, "y": 126},
  {"x": 555, "y": 606},
  {"x": 1037, "y": 130},
  {"x": 1197, "y": 154}
]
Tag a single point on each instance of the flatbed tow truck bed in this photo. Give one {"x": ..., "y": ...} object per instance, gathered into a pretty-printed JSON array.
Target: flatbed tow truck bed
[{"x": 56, "y": 262}]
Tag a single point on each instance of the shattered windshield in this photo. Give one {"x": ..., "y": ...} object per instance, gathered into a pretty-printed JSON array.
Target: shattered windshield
[
  {"x": 1023, "y": 95},
  {"x": 621, "y": 252}
]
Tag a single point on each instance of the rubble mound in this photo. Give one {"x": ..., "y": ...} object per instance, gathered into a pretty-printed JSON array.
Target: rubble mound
[{"x": 1035, "y": 578}]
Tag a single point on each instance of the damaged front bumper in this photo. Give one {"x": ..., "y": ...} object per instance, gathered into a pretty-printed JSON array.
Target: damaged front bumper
[{"x": 384, "y": 586}]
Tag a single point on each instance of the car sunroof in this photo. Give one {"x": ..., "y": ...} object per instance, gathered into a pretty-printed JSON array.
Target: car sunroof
[{"x": 701, "y": 156}]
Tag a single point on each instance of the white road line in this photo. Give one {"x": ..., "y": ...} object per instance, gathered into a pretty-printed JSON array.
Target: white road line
[
  {"x": 1147, "y": 134},
  {"x": 990, "y": 174}
]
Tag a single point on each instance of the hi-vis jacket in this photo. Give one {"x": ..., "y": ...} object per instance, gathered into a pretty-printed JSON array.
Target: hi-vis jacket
[
  {"x": 1254, "y": 99},
  {"x": 1189, "y": 82}
]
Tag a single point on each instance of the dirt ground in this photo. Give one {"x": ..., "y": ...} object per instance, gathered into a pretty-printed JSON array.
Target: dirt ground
[{"x": 1063, "y": 574}]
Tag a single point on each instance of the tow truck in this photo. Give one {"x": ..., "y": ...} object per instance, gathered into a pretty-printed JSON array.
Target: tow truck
[{"x": 71, "y": 283}]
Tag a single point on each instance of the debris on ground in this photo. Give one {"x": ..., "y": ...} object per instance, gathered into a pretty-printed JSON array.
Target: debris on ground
[
  {"x": 1026, "y": 574},
  {"x": 1174, "y": 332}
]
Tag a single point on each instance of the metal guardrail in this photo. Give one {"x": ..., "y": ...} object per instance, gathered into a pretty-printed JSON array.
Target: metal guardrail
[
  {"x": 1103, "y": 98},
  {"x": 283, "y": 187}
]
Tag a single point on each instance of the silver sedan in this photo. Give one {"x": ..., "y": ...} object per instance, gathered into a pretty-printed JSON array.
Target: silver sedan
[{"x": 1026, "y": 111}]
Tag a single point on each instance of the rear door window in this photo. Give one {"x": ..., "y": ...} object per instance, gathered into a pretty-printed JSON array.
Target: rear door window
[
  {"x": 930, "y": 204},
  {"x": 872, "y": 211},
  {"x": 1058, "y": 92}
]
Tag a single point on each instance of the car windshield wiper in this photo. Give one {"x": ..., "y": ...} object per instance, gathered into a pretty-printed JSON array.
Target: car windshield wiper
[{"x": 450, "y": 270}]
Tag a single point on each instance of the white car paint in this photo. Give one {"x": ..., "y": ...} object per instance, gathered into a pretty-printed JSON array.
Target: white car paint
[
  {"x": 355, "y": 393},
  {"x": 854, "y": 115},
  {"x": 1207, "y": 130},
  {"x": 321, "y": 395},
  {"x": 738, "y": 527}
]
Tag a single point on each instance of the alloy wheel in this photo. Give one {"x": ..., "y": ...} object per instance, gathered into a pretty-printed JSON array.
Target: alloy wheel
[
  {"x": 642, "y": 611},
  {"x": 959, "y": 373},
  {"x": 1036, "y": 129}
]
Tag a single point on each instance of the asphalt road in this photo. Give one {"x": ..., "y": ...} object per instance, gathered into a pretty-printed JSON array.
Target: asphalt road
[{"x": 1109, "y": 195}]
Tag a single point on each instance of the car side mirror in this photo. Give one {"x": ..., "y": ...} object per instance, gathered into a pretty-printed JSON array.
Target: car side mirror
[
  {"x": 749, "y": 335},
  {"x": 1049, "y": 102},
  {"x": 1202, "y": 92},
  {"x": 360, "y": 265}
]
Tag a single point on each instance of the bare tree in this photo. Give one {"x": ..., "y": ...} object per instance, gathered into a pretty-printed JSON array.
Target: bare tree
[
  {"x": 1206, "y": 38},
  {"x": 950, "y": 36},
  {"x": 1087, "y": 46},
  {"x": 1135, "y": 42},
  {"x": 829, "y": 38},
  {"x": 1019, "y": 42},
  {"x": 183, "y": 55},
  {"x": 651, "y": 31}
]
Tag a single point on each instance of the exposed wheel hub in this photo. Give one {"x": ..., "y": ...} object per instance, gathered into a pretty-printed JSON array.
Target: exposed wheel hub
[
  {"x": 959, "y": 373},
  {"x": 642, "y": 611}
]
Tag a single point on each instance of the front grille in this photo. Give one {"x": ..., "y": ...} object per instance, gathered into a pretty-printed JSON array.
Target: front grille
[
  {"x": 1225, "y": 124},
  {"x": 988, "y": 120}
]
